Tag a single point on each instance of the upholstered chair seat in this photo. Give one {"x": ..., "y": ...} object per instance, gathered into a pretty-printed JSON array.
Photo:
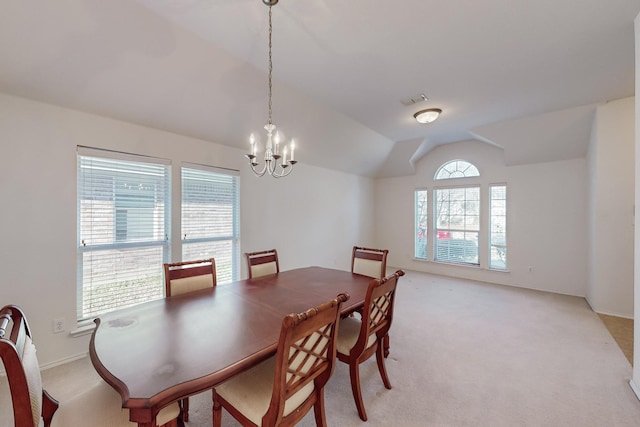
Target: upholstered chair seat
[
  {"x": 282, "y": 389},
  {"x": 76, "y": 411},
  {"x": 349, "y": 332},
  {"x": 251, "y": 391}
]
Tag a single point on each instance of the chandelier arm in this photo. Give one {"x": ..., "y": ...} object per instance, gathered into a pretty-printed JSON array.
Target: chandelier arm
[{"x": 255, "y": 171}]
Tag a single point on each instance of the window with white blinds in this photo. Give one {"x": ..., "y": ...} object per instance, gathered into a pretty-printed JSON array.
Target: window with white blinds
[
  {"x": 123, "y": 228},
  {"x": 210, "y": 219},
  {"x": 498, "y": 227},
  {"x": 457, "y": 224}
]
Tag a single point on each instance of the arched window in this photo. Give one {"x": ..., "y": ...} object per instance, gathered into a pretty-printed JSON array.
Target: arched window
[
  {"x": 454, "y": 232},
  {"x": 456, "y": 169}
]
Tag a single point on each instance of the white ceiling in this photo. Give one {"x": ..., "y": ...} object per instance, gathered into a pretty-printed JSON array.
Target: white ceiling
[{"x": 519, "y": 74}]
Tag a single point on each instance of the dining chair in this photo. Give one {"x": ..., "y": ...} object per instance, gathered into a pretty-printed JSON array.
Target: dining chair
[
  {"x": 360, "y": 338},
  {"x": 282, "y": 389},
  {"x": 262, "y": 263},
  {"x": 373, "y": 263},
  {"x": 369, "y": 262},
  {"x": 188, "y": 276},
  {"x": 34, "y": 407}
]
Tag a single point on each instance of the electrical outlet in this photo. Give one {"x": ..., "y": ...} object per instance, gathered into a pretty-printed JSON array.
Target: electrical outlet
[{"x": 58, "y": 325}]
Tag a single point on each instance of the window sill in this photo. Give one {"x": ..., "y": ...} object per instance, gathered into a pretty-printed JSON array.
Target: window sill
[
  {"x": 84, "y": 328},
  {"x": 454, "y": 264}
]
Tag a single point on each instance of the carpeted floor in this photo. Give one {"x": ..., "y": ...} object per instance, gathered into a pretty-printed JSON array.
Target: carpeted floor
[{"x": 463, "y": 353}]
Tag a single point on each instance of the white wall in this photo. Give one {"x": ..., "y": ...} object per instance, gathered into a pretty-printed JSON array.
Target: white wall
[
  {"x": 611, "y": 192},
  {"x": 313, "y": 217},
  {"x": 546, "y": 225}
]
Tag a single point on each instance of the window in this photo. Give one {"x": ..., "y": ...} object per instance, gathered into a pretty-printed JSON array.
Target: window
[
  {"x": 420, "y": 249},
  {"x": 456, "y": 169},
  {"x": 498, "y": 227},
  {"x": 123, "y": 221},
  {"x": 457, "y": 224},
  {"x": 210, "y": 219},
  {"x": 459, "y": 234}
]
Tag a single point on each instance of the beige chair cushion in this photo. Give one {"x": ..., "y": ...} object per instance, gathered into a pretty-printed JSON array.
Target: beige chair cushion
[
  {"x": 101, "y": 405},
  {"x": 190, "y": 284},
  {"x": 367, "y": 267},
  {"x": 34, "y": 380},
  {"x": 348, "y": 333},
  {"x": 250, "y": 392},
  {"x": 263, "y": 269}
]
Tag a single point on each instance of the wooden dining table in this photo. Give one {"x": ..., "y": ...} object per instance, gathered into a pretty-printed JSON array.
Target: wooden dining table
[{"x": 161, "y": 351}]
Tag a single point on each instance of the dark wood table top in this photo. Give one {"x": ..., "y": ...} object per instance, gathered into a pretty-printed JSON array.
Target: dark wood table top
[{"x": 160, "y": 351}]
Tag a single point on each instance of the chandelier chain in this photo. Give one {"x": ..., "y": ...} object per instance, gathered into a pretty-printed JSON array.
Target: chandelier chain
[{"x": 270, "y": 64}]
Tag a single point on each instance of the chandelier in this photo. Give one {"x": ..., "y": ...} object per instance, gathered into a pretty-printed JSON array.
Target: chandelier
[{"x": 275, "y": 164}]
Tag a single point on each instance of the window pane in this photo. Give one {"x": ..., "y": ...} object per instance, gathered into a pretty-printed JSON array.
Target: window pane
[
  {"x": 122, "y": 224},
  {"x": 222, "y": 251},
  {"x": 420, "y": 250},
  {"x": 210, "y": 218},
  {"x": 457, "y": 224},
  {"x": 118, "y": 278},
  {"x": 498, "y": 227},
  {"x": 456, "y": 246}
]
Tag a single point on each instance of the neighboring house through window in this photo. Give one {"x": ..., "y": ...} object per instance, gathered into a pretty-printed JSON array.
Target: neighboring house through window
[
  {"x": 123, "y": 219},
  {"x": 210, "y": 218}
]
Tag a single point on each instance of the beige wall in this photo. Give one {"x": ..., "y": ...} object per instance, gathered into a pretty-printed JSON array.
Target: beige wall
[
  {"x": 546, "y": 221},
  {"x": 313, "y": 217},
  {"x": 611, "y": 194}
]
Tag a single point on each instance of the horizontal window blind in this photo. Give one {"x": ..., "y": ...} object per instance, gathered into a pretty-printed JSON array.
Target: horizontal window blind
[
  {"x": 210, "y": 219},
  {"x": 457, "y": 224},
  {"x": 123, "y": 228}
]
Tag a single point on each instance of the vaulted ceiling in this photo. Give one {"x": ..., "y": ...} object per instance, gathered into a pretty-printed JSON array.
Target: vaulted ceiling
[{"x": 525, "y": 76}]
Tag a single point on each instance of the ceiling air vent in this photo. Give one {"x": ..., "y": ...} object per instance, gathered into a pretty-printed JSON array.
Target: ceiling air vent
[{"x": 415, "y": 100}]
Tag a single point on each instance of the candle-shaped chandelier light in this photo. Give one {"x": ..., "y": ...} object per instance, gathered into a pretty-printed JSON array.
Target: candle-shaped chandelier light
[{"x": 275, "y": 164}]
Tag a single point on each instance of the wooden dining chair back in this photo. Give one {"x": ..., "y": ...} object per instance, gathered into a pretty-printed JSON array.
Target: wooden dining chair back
[
  {"x": 34, "y": 407},
  {"x": 262, "y": 263},
  {"x": 369, "y": 262},
  {"x": 359, "y": 339},
  {"x": 189, "y": 276},
  {"x": 281, "y": 390}
]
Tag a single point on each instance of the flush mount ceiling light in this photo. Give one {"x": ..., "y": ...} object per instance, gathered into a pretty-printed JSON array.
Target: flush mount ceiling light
[{"x": 428, "y": 115}]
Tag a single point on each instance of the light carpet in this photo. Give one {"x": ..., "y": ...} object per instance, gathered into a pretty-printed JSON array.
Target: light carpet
[{"x": 463, "y": 353}]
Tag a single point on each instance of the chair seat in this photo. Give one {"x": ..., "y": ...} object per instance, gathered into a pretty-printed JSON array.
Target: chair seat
[
  {"x": 250, "y": 392},
  {"x": 348, "y": 333},
  {"x": 100, "y": 405}
]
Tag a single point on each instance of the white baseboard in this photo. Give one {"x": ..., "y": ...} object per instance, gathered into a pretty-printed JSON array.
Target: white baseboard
[
  {"x": 63, "y": 361},
  {"x": 50, "y": 365}
]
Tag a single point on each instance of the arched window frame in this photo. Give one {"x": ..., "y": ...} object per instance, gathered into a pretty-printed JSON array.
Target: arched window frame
[{"x": 456, "y": 169}]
